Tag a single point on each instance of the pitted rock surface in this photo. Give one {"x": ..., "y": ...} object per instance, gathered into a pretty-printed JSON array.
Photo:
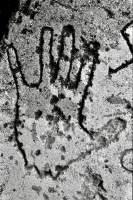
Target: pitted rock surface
[{"x": 66, "y": 101}]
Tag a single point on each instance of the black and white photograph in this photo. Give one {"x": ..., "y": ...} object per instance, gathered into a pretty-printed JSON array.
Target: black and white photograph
[{"x": 66, "y": 99}]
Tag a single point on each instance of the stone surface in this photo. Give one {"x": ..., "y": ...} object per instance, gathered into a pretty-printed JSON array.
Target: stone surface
[{"x": 66, "y": 101}]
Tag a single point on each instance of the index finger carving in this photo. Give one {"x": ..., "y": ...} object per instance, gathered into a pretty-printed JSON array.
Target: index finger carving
[
  {"x": 14, "y": 67},
  {"x": 46, "y": 53}
]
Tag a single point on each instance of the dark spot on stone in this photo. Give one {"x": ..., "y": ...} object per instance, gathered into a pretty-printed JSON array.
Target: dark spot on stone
[
  {"x": 45, "y": 196},
  {"x": 54, "y": 100},
  {"x": 107, "y": 49},
  {"x": 69, "y": 137},
  {"x": 16, "y": 162},
  {"x": 14, "y": 190},
  {"x": 38, "y": 50},
  {"x": 19, "y": 19},
  {"x": 10, "y": 138},
  {"x": 24, "y": 31},
  {"x": 5, "y": 125},
  {"x": 37, "y": 189},
  {"x": 22, "y": 126},
  {"x": 66, "y": 58},
  {"x": 19, "y": 133},
  {"x": 58, "y": 112},
  {"x": 122, "y": 122},
  {"x": 49, "y": 117},
  {"x": 128, "y": 106},
  {"x": 72, "y": 17},
  {"x": 60, "y": 133},
  {"x": 63, "y": 149},
  {"x": 10, "y": 83},
  {"x": 61, "y": 96},
  {"x": 113, "y": 128},
  {"x": 6, "y": 103},
  {"x": 69, "y": 117},
  {"x": 126, "y": 13},
  {"x": 37, "y": 4},
  {"x": 32, "y": 14},
  {"x": 106, "y": 161},
  {"x": 60, "y": 168},
  {"x": 97, "y": 179},
  {"x": 1, "y": 155},
  {"x": 56, "y": 119},
  {"x": 11, "y": 157},
  {"x": 62, "y": 157},
  {"x": 2, "y": 187},
  {"x": 50, "y": 140},
  {"x": 118, "y": 183},
  {"x": 38, "y": 152},
  {"x": 42, "y": 137},
  {"x": 109, "y": 12},
  {"x": 51, "y": 190},
  {"x": 110, "y": 170},
  {"x": 103, "y": 141},
  {"x": 38, "y": 114},
  {"x": 64, "y": 198},
  {"x": 50, "y": 123},
  {"x": 36, "y": 72}
]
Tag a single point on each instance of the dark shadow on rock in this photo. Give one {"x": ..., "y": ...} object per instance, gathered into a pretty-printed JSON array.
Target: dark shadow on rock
[{"x": 7, "y": 8}]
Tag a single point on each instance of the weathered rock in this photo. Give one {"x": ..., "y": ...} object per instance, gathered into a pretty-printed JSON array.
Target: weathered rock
[{"x": 66, "y": 101}]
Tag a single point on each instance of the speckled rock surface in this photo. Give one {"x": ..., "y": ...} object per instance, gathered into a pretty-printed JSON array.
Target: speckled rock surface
[{"x": 66, "y": 101}]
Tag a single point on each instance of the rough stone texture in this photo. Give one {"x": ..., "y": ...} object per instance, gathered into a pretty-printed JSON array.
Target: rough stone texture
[{"x": 66, "y": 101}]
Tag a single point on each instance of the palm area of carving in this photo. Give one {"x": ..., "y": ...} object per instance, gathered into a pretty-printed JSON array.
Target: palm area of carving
[{"x": 50, "y": 113}]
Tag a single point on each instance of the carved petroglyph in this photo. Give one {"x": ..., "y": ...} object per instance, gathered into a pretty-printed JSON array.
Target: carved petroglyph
[
  {"x": 73, "y": 71},
  {"x": 42, "y": 105},
  {"x": 68, "y": 93}
]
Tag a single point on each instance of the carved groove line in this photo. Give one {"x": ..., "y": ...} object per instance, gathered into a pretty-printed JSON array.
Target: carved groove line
[
  {"x": 22, "y": 151},
  {"x": 54, "y": 72},
  {"x": 127, "y": 63}
]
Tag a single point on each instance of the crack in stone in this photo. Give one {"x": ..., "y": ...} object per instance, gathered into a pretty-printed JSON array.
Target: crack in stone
[{"x": 63, "y": 5}]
